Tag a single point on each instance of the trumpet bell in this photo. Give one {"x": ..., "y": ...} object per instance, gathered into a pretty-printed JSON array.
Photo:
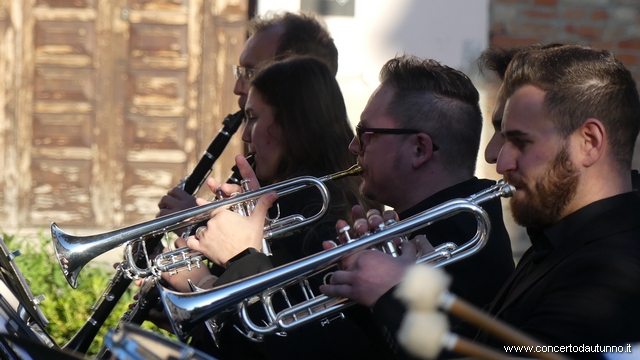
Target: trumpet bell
[{"x": 73, "y": 252}]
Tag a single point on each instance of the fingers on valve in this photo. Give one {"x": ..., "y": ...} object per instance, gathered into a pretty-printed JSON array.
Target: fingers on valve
[{"x": 199, "y": 232}]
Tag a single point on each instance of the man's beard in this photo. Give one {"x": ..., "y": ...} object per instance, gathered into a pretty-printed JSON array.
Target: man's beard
[{"x": 554, "y": 190}]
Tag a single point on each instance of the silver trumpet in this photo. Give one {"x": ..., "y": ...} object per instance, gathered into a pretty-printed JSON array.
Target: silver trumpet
[
  {"x": 74, "y": 252},
  {"x": 187, "y": 310}
]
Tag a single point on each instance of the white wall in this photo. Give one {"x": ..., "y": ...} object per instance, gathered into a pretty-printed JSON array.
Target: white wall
[{"x": 452, "y": 32}]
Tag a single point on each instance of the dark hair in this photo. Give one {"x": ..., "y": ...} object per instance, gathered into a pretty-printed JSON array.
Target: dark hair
[
  {"x": 440, "y": 101},
  {"x": 308, "y": 105},
  {"x": 303, "y": 35},
  {"x": 497, "y": 59},
  {"x": 581, "y": 83}
]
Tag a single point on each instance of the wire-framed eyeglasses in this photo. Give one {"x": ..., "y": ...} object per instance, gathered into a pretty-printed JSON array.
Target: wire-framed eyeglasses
[
  {"x": 244, "y": 73},
  {"x": 362, "y": 131}
]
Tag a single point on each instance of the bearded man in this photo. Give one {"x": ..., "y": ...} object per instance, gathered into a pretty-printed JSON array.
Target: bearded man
[{"x": 570, "y": 124}]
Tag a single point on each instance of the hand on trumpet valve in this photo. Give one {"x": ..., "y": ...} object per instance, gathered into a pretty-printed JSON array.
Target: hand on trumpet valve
[
  {"x": 368, "y": 274},
  {"x": 226, "y": 190},
  {"x": 365, "y": 224},
  {"x": 228, "y": 233},
  {"x": 178, "y": 199}
]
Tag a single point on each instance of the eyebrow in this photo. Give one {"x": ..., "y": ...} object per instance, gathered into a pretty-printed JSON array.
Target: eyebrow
[{"x": 514, "y": 133}]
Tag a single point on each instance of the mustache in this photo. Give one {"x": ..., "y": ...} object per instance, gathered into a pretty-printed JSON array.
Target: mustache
[{"x": 513, "y": 180}]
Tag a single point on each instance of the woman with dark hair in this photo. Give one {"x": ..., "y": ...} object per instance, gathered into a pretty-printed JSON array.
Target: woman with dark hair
[
  {"x": 296, "y": 125},
  {"x": 304, "y": 102}
]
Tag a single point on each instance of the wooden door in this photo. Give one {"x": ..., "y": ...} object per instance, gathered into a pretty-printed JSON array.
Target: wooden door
[{"x": 110, "y": 104}]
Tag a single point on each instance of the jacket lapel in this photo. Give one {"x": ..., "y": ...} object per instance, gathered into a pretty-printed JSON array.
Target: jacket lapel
[{"x": 499, "y": 298}]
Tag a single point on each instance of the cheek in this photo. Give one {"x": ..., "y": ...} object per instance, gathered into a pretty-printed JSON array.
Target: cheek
[{"x": 275, "y": 138}]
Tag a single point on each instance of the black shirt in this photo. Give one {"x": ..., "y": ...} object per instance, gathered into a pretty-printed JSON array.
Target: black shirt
[
  {"x": 579, "y": 283},
  {"x": 476, "y": 279}
]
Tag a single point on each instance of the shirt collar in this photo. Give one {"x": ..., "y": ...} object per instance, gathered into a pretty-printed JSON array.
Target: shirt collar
[{"x": 563, "y": 232}]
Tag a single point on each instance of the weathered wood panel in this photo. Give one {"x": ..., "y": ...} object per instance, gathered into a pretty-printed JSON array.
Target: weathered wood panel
[
  {"x": 156, "y": 102},
  {"x": 105, "y": 105},
  {"x": 19, "y": 177},
  {"x": 6, "y": 85},
  {"x": 64, "y": 44},
  {"x": 64, "y": 98}
]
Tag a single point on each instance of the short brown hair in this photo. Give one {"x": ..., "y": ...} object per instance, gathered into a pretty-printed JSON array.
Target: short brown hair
[
  {"x": 497, "y": 59},
  {"x": 582, "y": 83},
  {"x": 303, "y": 35},
  {"x": 442, "y": 102}
]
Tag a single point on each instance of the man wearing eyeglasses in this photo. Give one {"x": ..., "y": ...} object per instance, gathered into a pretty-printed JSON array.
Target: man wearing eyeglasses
[
  {"x": 417, "y": 142},
  {"x": 271, "y": 38},
  {"x": 280, "y": 36}
]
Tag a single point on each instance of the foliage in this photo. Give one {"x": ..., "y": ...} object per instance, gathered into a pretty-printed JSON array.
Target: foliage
[{"x": 67, "y": 309}]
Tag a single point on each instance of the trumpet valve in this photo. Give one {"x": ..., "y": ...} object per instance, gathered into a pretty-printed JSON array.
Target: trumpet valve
[
  {"x": 245, "y": 185},
  {"x": 266, "y": 247},
  {"x": 219, "y": 194},
  {"x": 390, "y": 248},
  {"x": 345, "y": 231}
]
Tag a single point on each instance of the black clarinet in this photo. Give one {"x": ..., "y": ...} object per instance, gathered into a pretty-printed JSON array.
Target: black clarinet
[{"x": 119, "y": 284}]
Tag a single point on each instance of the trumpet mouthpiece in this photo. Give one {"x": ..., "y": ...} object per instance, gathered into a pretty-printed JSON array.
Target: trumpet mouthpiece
[{"x": 352, "y": 171}]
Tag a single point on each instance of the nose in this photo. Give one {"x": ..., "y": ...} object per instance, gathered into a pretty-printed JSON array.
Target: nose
[
  {"x": 240, "y": 87},
  {"x": 506, "y": 161},
  {"x": 354, "y": 147},
  {"x": 241, "y": 90},
  {"x": 492, "y": 150}
]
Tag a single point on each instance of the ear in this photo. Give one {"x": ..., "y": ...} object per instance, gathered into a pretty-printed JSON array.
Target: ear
[
  {"x": 421, "y": 150},
  {"x": 591, "y": 137}
]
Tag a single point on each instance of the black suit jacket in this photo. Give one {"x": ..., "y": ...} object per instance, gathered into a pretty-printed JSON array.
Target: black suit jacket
[
  {"x": 580, "y": 281},
  {"x": 476, "y": 279}
]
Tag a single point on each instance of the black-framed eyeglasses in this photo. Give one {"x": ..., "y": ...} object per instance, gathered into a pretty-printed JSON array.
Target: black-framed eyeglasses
[
  {"x": 244, "y": 73},
  {"x": 362, "y": 131}
]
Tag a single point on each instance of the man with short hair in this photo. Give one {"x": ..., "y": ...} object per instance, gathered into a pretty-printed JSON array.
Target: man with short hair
[
  {"x": 570, "y": 124},
  {"x": 497, "y": 60},
  {"x": 278, "y": 36},
  {"x": 417, "y": 142},
  {"x": 271, "y": 38}
]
